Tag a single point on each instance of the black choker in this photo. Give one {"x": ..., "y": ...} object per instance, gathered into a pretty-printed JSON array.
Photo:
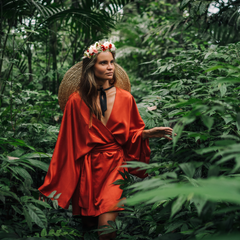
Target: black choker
[{"x": 103, "y": 99}]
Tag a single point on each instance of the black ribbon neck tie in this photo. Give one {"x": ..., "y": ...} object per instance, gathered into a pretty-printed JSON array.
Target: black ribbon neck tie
[{"x": 103, "y": 99}]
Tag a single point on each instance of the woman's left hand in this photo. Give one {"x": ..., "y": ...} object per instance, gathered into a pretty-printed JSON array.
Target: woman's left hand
[{"x": 157, "y": 132}]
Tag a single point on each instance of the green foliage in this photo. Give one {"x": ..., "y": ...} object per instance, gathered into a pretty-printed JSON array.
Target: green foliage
[
  {"x": 31, "y": 115},
  {"x": 191, "y": 85},
  {"x": 39, "y": 41},
  {"x": 22, "y": 215},
  {"x": 183, "y": 63}
]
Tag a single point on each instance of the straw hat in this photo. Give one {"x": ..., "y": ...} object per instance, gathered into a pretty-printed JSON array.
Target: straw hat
[{"x": 72, "y": 77}]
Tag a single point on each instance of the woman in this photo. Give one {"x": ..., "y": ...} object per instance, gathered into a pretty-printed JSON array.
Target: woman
[{"x": 101, "y": 129}]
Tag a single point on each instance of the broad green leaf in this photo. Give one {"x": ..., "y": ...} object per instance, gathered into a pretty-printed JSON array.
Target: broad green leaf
[
  {"x": 25, "y": 199},
  {"x": 223, "y": 89},
  {"x": 172, "y": 226},
  {"x": 238, "y": 121},
  {"x": 57, "y": 196},
  {"x": 55, "y": 203},
  {"x": 36, "y": 155},
  {"x": 225, "y": 159},
  {"x": 184, "y": 3},
  {"x": 150, "y": 183},
  {"x": 23, "y": 173},
  {"x": 189, "y": 119},
  {"x": 42, "y": 165},
  {"x": 203, "y": 7},
  {"x": 17, "y": 209},
  {"x": 228, "y": 118},
  {"x": 213, "y": 189},
  {"x": 188, "y": 169},
  {"x": 226, "y": 142},
  {"x": 183, "y": 103},
  {"x": 237, "y": 166},
  {"x": 28, "y": 218},
  {"x": 37, "y": 216},
  {"x": 177, "y": 205},
  {"x": 44, "y": 204},
  {"x": 31, "y": 31},
  {"x": 207, "y": 150},
  {"x": 208, "y": 121},
  {"x": 112, "y": 224},
  {"x": 9, "y": 194},
  {"x": 17, "y": 153},
  {"x": 19, "y": 142},
  {"x": 227, "y": 210},
  {"x": 157, "y": 204},
  {"x": 44, "y": 232},
  {"x": 52, "y": 194},
  {"x": 199, "y": 203},
  {"x": 118, "y": 223},
  {"x": 213, "y": 171},
  {"x": 228, "y": 80},
  {"x": 214, "y": 68},
  {"x": 178, "y": 128},
  {"x": 50, "y": 233},
  {"x": 152, "y": 229}
]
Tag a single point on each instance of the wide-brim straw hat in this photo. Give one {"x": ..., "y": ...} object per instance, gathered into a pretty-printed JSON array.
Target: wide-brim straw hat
[{"x": 72, "y": 78}]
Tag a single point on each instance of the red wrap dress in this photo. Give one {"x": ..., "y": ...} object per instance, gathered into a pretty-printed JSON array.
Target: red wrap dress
[{"x": 88, "y": 157}]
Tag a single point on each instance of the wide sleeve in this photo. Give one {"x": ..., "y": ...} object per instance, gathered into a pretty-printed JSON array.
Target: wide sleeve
[
  {"x": 64, "y": 168},
  {"x": 136, "y": 149}
]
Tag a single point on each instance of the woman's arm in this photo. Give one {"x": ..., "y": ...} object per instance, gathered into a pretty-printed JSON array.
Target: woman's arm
[{"x": 157, "y": 132}]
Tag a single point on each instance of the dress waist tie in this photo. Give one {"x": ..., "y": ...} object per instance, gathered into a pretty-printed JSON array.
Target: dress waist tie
[
  {"x": 112, "y": 146},
  {"x": 86, "y": 173}
]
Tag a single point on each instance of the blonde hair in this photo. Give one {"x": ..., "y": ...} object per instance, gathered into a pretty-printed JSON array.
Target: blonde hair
[{"x": 88, "y": 87}]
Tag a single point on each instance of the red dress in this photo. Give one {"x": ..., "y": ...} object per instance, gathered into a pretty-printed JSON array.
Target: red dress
[{"x": 87, "y": 158}]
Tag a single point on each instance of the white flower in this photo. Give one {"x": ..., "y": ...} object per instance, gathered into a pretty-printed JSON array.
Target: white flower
[
  {"x": 113, "y": 49},
  {"x": 86, "y": 55},
  {"x": 91, "y": 49},
  {"x": 106, "y": 45},
  {"x": 97, "y": 48}
]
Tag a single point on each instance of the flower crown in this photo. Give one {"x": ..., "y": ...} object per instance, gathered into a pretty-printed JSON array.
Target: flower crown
[{"x": 98, "y": 47}]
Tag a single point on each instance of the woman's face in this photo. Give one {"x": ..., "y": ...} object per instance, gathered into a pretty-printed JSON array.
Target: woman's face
[{"x": 104, "y": 66}]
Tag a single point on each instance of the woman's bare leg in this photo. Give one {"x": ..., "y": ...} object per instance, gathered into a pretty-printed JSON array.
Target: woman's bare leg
[{"x": 103, "y": 220}]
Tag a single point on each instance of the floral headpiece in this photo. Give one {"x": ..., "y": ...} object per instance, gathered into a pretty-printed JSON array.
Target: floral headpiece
[{"x": 99, "y": 47}]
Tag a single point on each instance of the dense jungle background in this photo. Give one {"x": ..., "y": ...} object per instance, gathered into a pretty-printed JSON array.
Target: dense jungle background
[{"x": 183, "y": 61}]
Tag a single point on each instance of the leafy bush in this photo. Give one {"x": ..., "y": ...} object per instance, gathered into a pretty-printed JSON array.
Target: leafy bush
[
  {"x": 193, "y": 186},
  {"x": 179, "y": 79},
  {"x": 22, "y": 215}
]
